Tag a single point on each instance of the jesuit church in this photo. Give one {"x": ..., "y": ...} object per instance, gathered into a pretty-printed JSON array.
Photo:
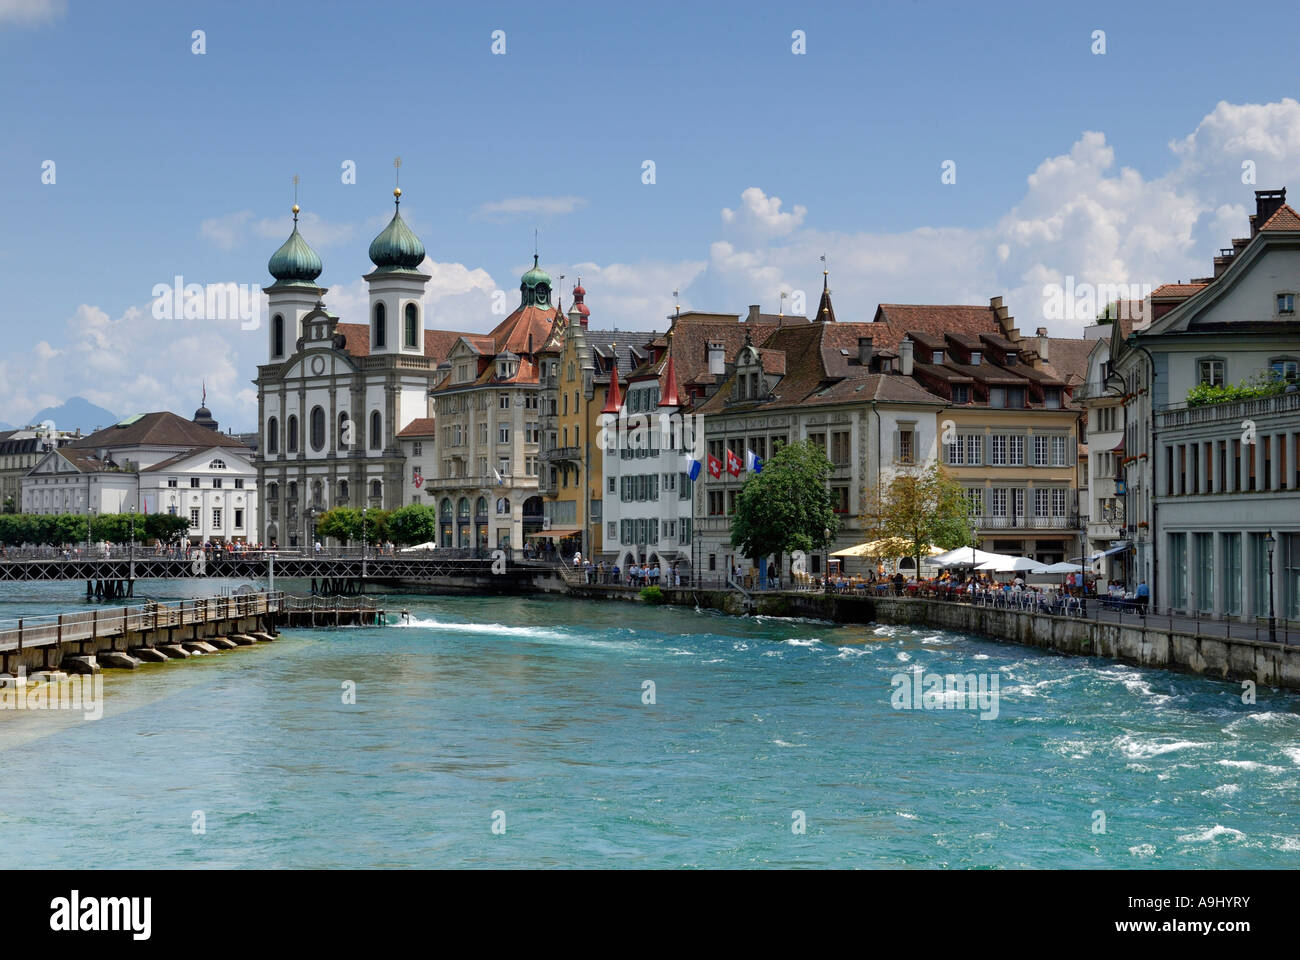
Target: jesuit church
[{"x": 335, "y": 397}]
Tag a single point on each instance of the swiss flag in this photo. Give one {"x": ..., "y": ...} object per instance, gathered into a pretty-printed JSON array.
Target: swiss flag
[
  {"x": 715, "y": 467},
  {"x": 419, "y": 480},
  {"x": 734, "y": 466}
]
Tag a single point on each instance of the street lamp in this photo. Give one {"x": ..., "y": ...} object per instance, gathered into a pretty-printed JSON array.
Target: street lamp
[
  {"x": 826, "y": 570},
  {"x": 1270, "y": 542}
]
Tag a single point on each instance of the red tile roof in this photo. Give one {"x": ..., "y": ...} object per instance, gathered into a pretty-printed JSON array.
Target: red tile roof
[
  {"x": 437, "y": 343},
  {"x": 419, "y": 427},
  {"x": 893, "y": 320},
  {"x": 1283, "y": 218},
  {"x": 1178, "y": 290}
]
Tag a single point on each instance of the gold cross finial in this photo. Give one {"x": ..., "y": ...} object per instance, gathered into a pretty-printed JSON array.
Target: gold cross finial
[
  {"x": 295, "y": 198},
  {"x": 397, "y": 179}
]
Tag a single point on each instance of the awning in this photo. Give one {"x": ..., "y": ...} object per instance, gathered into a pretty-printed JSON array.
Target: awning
[{"x": 570, "y": 532}]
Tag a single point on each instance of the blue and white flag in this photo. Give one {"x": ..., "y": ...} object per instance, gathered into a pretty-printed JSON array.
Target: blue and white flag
[
  {"x": 753, "y": 461},
  {"x": 497, "y": 473},
  {"x": 692, "y": 468}
]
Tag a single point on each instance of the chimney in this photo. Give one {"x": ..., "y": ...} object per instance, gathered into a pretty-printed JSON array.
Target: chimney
[
  {"x": 753, "y": 313},
  {"x": 905, "y": 357},
  {"x": 864, "y": 351},
  {"x": 717, "y": 359},
  {"x": 1042, "y": 344},
  {"x": 1267, "y": 203}
]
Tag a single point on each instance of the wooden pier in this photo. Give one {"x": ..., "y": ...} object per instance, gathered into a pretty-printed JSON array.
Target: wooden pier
[{"x": 126, "y": 636}]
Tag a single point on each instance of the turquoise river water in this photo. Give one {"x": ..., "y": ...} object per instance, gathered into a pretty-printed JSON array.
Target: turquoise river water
[{"x": 529, "y": 715}]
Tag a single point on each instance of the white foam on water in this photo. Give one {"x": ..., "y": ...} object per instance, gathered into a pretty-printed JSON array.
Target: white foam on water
[
  {"x": 851, "y": 652},
  {"x": 904, "y": 656},
  {"x": 495, "y": 629},
  {"x": 980, "y": 656},
  {"x": 796, "y": 642},
  {"x": 1137, "y": 749},
  {"x": 1293, "y": 753},
  {"x": 1143, "y": 850},
  {"x": 1224, "y": 790},
  {"x": 783, "y": 743},
  {"x": 1250, "y": 765},
  {"x": 715, "y": 660},
  {"x": 1207, "y": 836},
  {"x": 1289, "y": 843},
  {"x": 740, "y": 645},
  {"x": 764, "y": 618},
  {"x": 905, "y": 816}
]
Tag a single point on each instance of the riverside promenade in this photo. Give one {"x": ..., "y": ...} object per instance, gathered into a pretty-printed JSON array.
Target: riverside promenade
[{"x": 1227, "y": 651}]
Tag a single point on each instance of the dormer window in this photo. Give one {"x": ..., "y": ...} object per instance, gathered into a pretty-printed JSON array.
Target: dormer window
[
  {"x": 975, "y": 357},
  {"x": 1011, "y": 359},
  {"x": 936, "y": 356}
]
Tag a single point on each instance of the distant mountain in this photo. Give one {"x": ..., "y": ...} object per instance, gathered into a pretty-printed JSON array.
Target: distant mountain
[
  {"x": 73, "y": 413},
  {"x": 7, "y": 426}
]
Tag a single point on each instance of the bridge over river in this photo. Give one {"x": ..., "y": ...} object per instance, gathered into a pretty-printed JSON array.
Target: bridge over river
[{"x": 331, "y": 572}]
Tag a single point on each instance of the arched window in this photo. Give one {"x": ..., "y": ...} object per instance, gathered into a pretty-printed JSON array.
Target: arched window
[
  {"x": 317, "y": 428},
  {"x": 293, "y": 489},
  {"x": 378, "y": 328},
  {"x": 343, "y": 491},
  {"x": 277, "y": 336},
  {"x": 462, "y": 508},
  {"x": 566, "y": 404},
  {"x": 217, "y": 465},
  {"x": 272, "y": 435},
  {"x": 412, "y": 325},
  {"x": 345, "y": 431},
  {"x": 291, "y": 441},
  {"x": 317, "y": 492},
  {"x": 376, "y": 431},
  {"x": 273, "y": 491},
  {"x": 480, "y": 508},
  {"x": 503, "y": 505},
  {"x": 376, "y": 488},
  {"x": 446, "y": 508}
]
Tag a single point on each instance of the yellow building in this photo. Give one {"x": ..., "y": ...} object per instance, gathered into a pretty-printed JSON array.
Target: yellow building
[{"x": 577, "y": 367}]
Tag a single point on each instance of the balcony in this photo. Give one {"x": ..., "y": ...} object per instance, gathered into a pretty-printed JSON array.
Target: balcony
[
  {"x": 1025, "y": 523},
  {"x": 461, "y": 483},
  {"x": 562, "y": 454},
  {"x": 1237, "y": 410}
]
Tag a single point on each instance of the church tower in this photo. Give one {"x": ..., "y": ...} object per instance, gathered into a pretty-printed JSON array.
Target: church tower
[
  {"x": 396, "y": 288},
  {"x": 295, "y": 267}
]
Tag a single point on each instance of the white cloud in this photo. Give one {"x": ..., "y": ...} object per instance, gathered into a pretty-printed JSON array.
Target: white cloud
[
  {"x": 762, "y": 214},
  {"x": 31, "y": 13},
  {"x": 530, "y": 206}
]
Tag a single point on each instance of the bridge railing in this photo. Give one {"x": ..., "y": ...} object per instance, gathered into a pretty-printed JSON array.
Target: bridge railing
[{"x": 23, "y": 632}]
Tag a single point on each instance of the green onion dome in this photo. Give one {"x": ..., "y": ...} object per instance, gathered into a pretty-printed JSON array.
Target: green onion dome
[
  {"x": 397, "y": 247},
  {"x": 295, "y": 261}
]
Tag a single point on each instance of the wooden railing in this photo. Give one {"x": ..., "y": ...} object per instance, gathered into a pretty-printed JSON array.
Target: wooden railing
[{"x": 26, "y": 632}]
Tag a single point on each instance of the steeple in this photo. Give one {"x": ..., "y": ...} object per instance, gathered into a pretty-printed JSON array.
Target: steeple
[
  {"x": 396, "y": 286},
  {"x": 579, "y": 307},
  {"x": 825, "y": 312},
  {"x": 670, "y": 397},
  {"x": 613, "y": 400}
]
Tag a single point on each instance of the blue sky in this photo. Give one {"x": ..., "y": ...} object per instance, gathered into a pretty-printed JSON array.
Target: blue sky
[{"x": 1122, "y": 167}]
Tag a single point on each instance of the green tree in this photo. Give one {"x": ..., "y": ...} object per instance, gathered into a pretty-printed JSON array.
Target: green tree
[
  {"x": 927, "y": 509},
  {"x": 165, "y": 527},
  {"x": 340, "y": 523},
  {"x": 413, "y": 523},
  {"x": 787, "y": 507}
]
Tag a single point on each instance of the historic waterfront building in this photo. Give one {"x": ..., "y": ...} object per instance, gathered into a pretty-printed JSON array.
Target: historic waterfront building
[
  {"x": 649, "y": 436},
  {"x": 20, "y": 450},
  {"x": 333, "y": 396},
  {"x": 1010, "y": 426},
  {"x": 153, "y": 463},
  {"x": 578, "y": 369},
  {"x": 487, "y": 412},
  {"x": 1214, "y": 482}
]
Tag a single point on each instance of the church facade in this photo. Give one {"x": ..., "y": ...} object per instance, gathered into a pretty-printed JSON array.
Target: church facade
[{"x": 333, "y": 396}]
